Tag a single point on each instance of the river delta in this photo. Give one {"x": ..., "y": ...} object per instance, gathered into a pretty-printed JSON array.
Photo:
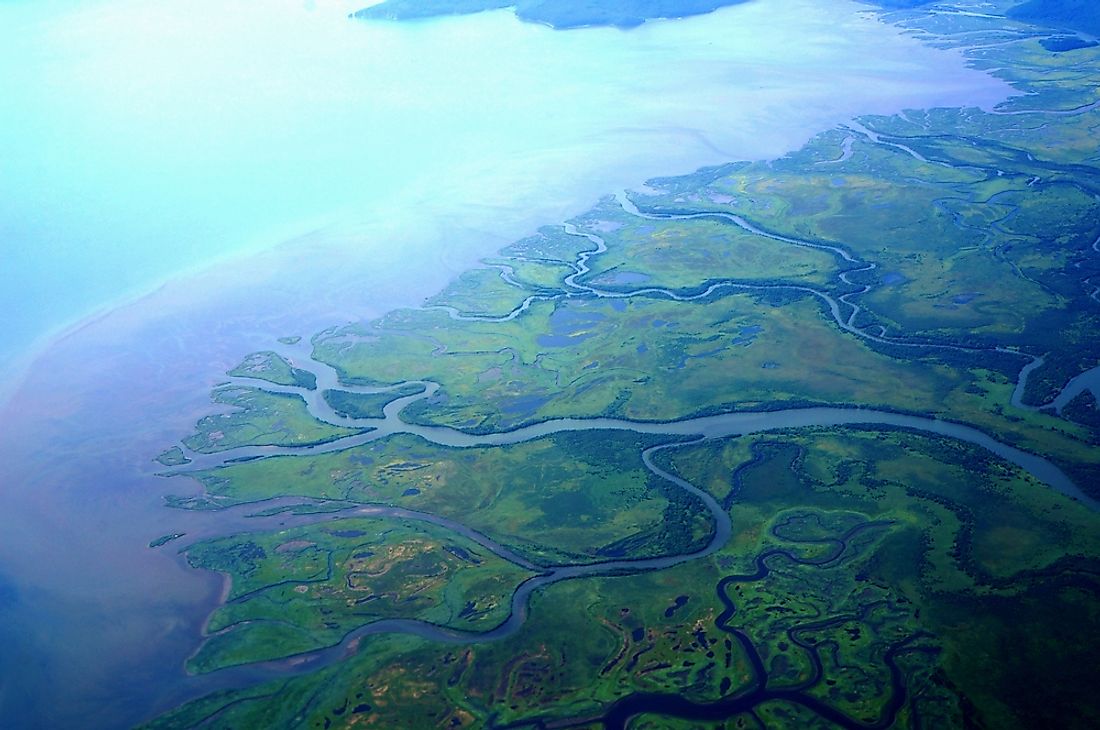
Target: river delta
[
  {"x": 779, "y": 444},
  {"x": 802, "y": 442}
]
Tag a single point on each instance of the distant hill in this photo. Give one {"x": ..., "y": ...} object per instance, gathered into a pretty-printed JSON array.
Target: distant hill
[
  {"x": 557, "y": 13},
  {"x": 413, "y": 9},
  {"x": 564, "y": 14},
  {"x": 898, "y": 4},
  {"x": 1081, "y": 15}
]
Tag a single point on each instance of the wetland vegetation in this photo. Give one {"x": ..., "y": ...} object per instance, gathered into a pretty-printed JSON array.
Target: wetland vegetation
[{"x": 938, "y": 263}]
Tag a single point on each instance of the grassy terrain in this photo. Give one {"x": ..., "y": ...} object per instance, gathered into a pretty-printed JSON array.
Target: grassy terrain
[
  {"x": 481, "y": 292},
  {"x": 259, "y": 418},
  {"x": 173, "y": 456},
  {"x": 643, "y": 358},
  {"x": 973, "y": 254},
  {"x": 365, "y": 405},
  {"x": 971, "y": 540},
  {"x": 563, "y": 498},
  {"x": 874, "y": 577},
  {"x": 274, "y": 368},
  {"x": 851, "y": 546},
  {"x": 651, "y": 358},
  {"x": 305, "y": 588},
  {"x": 681, "y": 254}
]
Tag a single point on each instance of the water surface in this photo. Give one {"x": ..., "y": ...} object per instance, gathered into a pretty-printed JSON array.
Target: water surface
[{"x": 145, "y": 138}]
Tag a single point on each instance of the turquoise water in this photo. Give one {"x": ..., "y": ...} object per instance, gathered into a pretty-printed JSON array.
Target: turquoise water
[{"x": 142, "y": 140}]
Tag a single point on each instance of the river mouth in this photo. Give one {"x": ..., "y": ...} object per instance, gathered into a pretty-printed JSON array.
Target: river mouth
[{"x": 82, "y": 503}]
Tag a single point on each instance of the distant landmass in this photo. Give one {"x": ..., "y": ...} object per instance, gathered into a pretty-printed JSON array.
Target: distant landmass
[
  {"x": 1080, "y": 15},
  {"x": 560, "y": 14},
  {"x": 565, "y": 14}
]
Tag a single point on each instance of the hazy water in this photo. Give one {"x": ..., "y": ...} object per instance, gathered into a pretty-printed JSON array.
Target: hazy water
[{"x": 143, "y": 139}]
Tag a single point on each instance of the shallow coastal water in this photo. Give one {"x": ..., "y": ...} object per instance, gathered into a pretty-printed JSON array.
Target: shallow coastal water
[
  {"x": 153, "y": 138},
  {"x": 142, "y": 139}
]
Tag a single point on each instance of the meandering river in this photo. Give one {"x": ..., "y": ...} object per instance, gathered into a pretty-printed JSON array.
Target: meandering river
[{"x": 704, "y": 428}]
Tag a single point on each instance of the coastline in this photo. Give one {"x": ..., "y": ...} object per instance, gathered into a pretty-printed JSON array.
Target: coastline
[
  {"x": 17, "y": 365},
  {"x": 699, "y": 147}
]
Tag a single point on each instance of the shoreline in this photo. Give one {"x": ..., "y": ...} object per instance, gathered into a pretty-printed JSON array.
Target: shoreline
[
  {"x": 21, "y": 359},
  {"x": 20, "y": 362}
]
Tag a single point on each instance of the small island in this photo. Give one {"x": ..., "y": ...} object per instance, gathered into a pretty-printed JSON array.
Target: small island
[{"x": 165, "y": 539}]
